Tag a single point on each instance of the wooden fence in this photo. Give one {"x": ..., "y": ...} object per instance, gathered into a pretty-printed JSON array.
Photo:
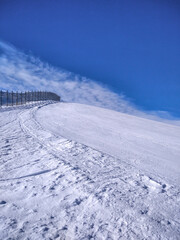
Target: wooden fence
[{"x": 18, "y": 98}]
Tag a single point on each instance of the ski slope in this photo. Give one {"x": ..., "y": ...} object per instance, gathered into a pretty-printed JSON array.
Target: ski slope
[
  {"x": 149, "y": 145},
  {"x": 73, "y": 171}
]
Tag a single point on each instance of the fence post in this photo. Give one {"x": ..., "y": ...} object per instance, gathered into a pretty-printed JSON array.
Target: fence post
[
  {"x": 12, "y": 97},
  {"x": 7, "y": 98},
  {"x": 1, "y": 98},
  {"x": 21, "y": 97},
  {"x": 16, "y": 98}
]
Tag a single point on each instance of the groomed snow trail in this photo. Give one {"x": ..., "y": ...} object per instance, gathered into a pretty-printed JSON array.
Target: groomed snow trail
[{"x": 55, "y": 188}]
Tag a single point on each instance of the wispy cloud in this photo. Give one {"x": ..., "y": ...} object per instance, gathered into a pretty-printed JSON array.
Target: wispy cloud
[{"x": 22, "y": 72}]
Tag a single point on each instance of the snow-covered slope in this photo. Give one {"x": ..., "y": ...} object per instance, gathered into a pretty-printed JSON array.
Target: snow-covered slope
[
  {"x": 71, "y": 171},
  {"x": 149, "y": 145}
]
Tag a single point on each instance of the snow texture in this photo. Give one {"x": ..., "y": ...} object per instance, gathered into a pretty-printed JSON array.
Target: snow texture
[{"x": 71, "y": 171}]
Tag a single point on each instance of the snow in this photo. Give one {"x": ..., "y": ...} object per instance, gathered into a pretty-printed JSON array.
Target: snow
[
  {"x": 73, "y": 171},
  {"x": 148, "y": 145}
]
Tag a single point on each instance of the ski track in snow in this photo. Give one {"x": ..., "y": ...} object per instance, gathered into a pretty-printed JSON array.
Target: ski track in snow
[{"x": 55, "y": 188}]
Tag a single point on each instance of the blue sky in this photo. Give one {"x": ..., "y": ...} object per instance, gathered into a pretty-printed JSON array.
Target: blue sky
[{"x": 131, "y": 46}]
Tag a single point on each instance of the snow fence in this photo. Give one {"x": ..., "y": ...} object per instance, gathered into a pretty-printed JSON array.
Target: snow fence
[{"x": 18, "y": 98}]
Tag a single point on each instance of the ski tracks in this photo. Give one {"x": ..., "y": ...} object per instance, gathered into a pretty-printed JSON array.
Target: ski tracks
[{"x": 66, "y": 190}]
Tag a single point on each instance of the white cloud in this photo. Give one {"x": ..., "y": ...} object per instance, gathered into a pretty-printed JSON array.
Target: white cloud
[{"x": 22, "y": 72}]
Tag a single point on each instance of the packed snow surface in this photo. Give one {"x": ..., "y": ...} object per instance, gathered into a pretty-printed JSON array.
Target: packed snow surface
[
  {"x": 149, "y": 145},
  {"x": 73, "y": 171}
]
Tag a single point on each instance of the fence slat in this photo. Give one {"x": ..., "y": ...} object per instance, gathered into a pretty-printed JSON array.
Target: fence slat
[
  {"x": 1, "y": 98},
  {"x": 7, "y": 95},
  {"x": 12, "y": 98}
]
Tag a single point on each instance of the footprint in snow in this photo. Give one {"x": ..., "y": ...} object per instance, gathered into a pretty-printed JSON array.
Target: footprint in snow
[
  {"x": 65, "y": 227},
  {"x": 77, "y": 202},
  {"x": 52, "y": 188},
  {"x": 152, "y": 185},
  {"x": 144, "y": 211}
]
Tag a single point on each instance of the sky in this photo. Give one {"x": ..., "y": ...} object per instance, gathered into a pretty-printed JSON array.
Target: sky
[{"x": 130, "y": 47}]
